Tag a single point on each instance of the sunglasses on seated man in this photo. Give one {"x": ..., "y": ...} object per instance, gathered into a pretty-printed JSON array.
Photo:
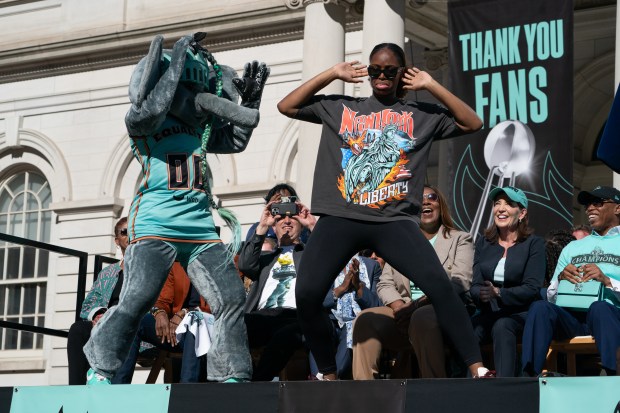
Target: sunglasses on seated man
[
  {"x": 598, "y": 203},
  {"x": 389, "y": 72}
]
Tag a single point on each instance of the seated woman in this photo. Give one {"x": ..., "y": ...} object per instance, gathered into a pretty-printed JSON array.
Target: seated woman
[
  {"x": 406, "y": 320},
  {"x": 509, "y": 270}
]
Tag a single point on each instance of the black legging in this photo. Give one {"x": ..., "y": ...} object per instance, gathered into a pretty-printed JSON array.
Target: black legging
[{"x": 335, "y": 240}]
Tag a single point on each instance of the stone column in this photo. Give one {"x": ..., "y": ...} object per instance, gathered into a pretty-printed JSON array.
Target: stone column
[
  {"x": 384, "y": 21},
  {"x": 616, "y": 180},
  {"x": 436, "y": 63},
  {"x": 324, "y": 37}
]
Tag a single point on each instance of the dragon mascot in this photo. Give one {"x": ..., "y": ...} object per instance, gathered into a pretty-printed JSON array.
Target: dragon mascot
[{"x": 183, "y": 106}]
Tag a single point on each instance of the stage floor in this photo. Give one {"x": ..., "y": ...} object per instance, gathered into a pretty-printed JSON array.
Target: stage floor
[{"x": 565, "y": 394}]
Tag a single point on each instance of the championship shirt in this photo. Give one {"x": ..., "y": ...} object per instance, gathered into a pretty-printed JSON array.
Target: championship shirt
[
  {"x": 372, "y": 158},
  {"x": 602, "y": 250},
  {"x": 171, "y": 203}
]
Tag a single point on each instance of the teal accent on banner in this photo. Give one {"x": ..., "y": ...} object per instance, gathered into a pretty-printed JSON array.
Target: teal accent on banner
[
  {"x": 579, "y": 394},
  {"x": 134, "y": 398}
]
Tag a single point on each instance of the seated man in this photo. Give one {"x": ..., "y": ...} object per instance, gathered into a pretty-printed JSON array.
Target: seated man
[
  {"x": 595, "y": 257},
  {"x": 354, "y": 290},
  {"x": 406, "y": 321},
  {"x": 177, "y": 298},
  {"x": 271, "y": 316},
  {"x": 103, "y": 294}
]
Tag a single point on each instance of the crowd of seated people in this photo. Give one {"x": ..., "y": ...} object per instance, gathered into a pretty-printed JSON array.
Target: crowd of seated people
[
  {"x": 504, "y": 274},
  {"x": 508, "y": 280}
]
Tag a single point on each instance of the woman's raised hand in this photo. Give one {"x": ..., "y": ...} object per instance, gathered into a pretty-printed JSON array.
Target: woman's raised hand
[
  {"x": 351, "y": 72},
  {"x": 416, "y": 79}
]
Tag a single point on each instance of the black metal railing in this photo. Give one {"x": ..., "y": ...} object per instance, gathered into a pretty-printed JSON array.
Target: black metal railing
[{"x": 81, "y": 284}]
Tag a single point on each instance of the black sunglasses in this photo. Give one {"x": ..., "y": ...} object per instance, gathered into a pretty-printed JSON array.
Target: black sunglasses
[
  {"x": 123, "y": 232},
  {"x": 431, "y": 196},
  {"x": 389, "y": 72},
  {"x": 598, "y": 203}
]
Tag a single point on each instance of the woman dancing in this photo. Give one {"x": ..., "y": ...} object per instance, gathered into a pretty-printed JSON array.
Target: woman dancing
[{"x": 368, "y": 186}]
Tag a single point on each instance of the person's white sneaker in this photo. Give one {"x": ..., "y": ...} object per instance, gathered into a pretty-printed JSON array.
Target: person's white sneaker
[{"x": 484, "y": 373}]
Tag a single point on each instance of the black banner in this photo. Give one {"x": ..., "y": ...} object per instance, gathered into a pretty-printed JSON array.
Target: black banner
[{"x": 512, "y": 61}]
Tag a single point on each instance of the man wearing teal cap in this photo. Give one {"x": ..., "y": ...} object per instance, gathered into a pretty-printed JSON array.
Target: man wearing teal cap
[{"x": 595, "y": 257}]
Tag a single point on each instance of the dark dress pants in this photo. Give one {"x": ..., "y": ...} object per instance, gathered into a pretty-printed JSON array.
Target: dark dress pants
[
  {"x": 545, "y": 322},
  {"x": 79, "y": 333},
  {"x": 503, "y": 329},
  {"x": 279, "y": 332}
]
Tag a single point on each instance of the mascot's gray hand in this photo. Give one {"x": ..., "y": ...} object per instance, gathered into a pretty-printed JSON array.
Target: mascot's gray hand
[{"x": 251, "y": 85}]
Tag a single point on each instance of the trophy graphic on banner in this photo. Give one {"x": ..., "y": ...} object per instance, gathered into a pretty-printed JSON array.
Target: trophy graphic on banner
[{"x": 508, "y": 152}]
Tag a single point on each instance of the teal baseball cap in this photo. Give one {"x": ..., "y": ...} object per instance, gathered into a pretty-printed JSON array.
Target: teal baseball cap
[{"x": 514, "y": 194}]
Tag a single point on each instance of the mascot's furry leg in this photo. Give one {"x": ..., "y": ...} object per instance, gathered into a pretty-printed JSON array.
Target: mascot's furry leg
[
  {"x": 228, "y": 356},
  {"x": 146, "y": 266}
]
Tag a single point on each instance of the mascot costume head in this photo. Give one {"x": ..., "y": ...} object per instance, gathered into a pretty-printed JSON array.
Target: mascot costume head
[{"x": 188, "y": 84}]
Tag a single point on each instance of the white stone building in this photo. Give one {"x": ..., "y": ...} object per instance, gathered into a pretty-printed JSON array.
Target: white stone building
[{"x": 66, "y": 170}]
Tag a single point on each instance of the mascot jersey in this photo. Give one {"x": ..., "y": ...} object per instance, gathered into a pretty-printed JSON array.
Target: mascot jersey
[
  {"x": 372, "y": 158},
  {"x": 171, "y": 203}
]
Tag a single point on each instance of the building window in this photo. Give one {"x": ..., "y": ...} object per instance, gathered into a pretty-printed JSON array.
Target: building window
[{"x": 24, "y": 212}]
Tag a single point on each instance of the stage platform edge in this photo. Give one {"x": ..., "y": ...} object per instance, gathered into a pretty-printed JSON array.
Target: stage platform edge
[{"x": 518, "y": 395}]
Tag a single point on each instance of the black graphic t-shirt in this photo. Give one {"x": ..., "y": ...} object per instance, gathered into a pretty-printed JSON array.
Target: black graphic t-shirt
[{"x": 372, "y": 158}]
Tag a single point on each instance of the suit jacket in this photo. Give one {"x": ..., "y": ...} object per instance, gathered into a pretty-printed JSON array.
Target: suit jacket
[
  {"x": 256, "y": 266},
  {"x": 175, "y": 291},
  {"x": 524, "y": 272},
  {"x": 455, "y": 254}
]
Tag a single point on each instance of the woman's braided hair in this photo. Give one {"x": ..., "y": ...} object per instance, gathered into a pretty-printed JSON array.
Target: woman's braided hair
[
  {"x": 229, "y": 218},
  {"x": 206, "y": 134}
]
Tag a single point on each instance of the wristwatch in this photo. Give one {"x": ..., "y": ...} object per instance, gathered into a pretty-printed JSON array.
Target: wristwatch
[{"x": 155, "y": 310}]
